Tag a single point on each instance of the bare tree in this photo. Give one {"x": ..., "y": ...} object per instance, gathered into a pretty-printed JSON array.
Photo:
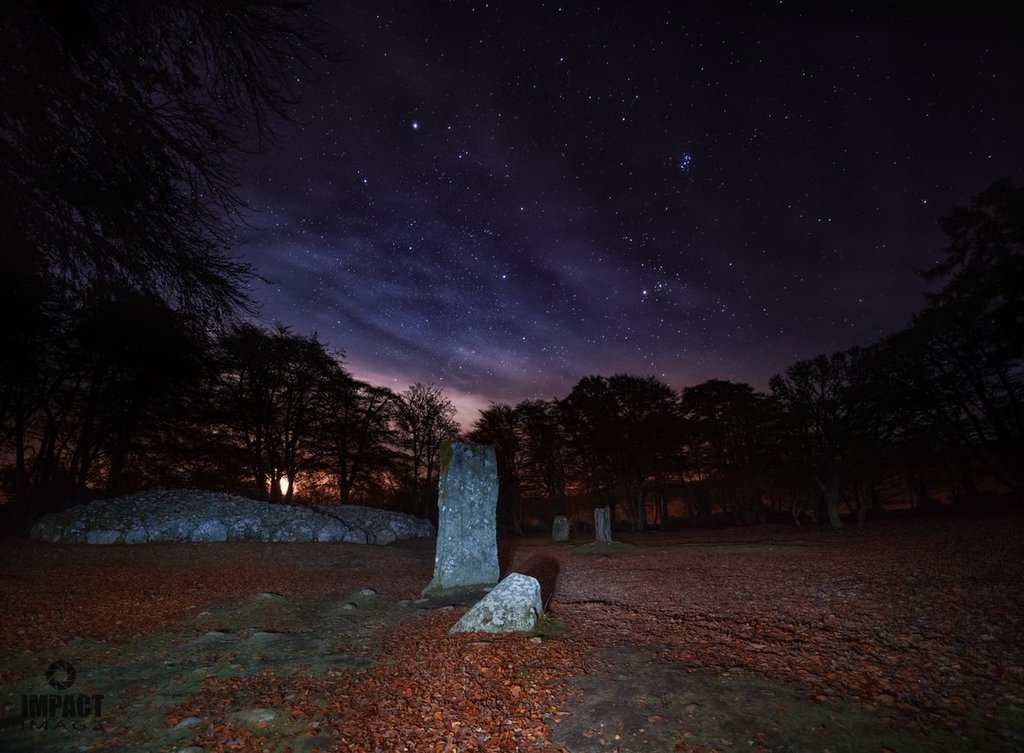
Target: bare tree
[
  {"x": 119, "y": 128},
  {"x": 357, "y": 435},
  {"x": 426, "y": 418},
  {"x": 272, "y": 386}
]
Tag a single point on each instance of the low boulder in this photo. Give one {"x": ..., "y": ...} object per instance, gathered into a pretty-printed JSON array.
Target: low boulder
[{"x": 512, "y": 606}]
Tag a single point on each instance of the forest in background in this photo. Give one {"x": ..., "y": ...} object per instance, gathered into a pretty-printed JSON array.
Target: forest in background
[{"x": 130, "y": 361}]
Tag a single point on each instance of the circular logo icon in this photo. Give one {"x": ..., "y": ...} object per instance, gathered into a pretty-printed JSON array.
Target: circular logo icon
[{"x": 60, "y": 675}]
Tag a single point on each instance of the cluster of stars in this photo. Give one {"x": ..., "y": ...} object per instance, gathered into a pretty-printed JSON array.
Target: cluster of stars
[{"x": 500, "y": 250}]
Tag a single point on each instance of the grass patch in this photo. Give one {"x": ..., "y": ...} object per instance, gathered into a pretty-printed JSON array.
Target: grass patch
[{"x": 604, "y": 547}]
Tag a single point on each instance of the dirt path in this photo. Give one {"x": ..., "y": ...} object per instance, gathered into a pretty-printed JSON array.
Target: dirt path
[{"x": 641, "y": 704}]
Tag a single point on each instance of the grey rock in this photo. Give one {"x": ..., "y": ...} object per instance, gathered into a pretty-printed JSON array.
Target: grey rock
[
  {"x": 246, "y": 528},
  {"x": 356, "y": 536},
  {"x": 170, "y": 530},
  {"x": 252, "y": 716},
  {"x": 372, "y": 521},
  {"x": 72, "y": 537},
  {"x": 332, "y": 531},
  {"x": 103, "y": 536},
  {"x": 466, "y": 555},
  {"x": 291, "y": 533},
  {"x": 262, "y": 636},
  {"x": 513, "y": 606},
  {"x": 137, "y": 534},
  {"x": 209, "y": 530},
  {"x": 560, "y": 528}
]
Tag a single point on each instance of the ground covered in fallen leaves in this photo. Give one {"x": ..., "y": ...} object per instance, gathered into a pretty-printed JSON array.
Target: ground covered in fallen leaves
[{"x": 902, "y": 636}]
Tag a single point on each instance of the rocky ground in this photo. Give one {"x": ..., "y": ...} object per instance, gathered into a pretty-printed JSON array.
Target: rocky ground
[{"x": 201, "y": 516}]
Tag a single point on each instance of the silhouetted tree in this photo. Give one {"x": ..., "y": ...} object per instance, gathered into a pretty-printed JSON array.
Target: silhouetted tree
[
  {"x": 425, "y": 418},
  {"x": 970, "y": 336},
  {"x": 144, "y": 354},
  {"x": 119, "y": 126},
  {"x": 588, "y": 417},
  {"x": 729, "y": 430},
  {"x": 98, "y": 379},
  {"x": 272, "y": 388},
  {"x": 34, "y": 330},
  {"x": 357, "y": 435},
  {"x": 647, "y": 437},
  {"x": 623, "y": 430},
  {"x": 817, "y": 397},
  {"x": 544, "y": 453}
]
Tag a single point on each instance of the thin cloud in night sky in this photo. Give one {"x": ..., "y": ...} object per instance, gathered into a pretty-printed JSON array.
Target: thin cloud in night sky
[{"x": 503, "y": 198}]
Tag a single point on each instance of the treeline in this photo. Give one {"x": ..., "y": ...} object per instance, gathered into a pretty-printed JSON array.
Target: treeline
[
  {"x": 113, "y": 389},
  {"x": 933, "y": 414},
  {"x": 123, "y": 393},
  {"x": 126, "y": 360}
]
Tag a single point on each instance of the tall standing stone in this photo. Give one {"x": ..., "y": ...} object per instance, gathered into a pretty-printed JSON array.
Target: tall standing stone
[
  {"x": 467, "y": 547},
  {"x": 603, "y": 524}
]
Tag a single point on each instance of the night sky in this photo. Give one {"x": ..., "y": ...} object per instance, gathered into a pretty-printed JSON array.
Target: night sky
[{"x": 502, "y": 198}]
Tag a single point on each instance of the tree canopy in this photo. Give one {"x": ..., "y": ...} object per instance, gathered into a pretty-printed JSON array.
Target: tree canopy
[{"x": 118, "y": 134}]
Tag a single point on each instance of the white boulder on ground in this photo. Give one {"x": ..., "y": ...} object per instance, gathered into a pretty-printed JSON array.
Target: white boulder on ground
[
  {"x": 513, "y": 606},
  {"x": 201, "y": 516}
]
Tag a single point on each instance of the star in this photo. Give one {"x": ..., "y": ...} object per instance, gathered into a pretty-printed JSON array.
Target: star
[{"x": 539, "y": 222}]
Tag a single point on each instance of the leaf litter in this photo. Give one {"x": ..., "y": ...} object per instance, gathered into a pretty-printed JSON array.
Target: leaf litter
[{"x": 905, "y": 633}]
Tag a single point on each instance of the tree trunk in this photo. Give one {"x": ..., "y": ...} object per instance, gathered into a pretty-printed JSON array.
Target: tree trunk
[
  {"x": 637, "y": 508},
  {"x": 830, "y": 493},
  {"x": 832, "y": 506}
]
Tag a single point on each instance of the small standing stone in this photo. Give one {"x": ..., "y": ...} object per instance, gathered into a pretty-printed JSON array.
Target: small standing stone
[
  {"x": 513, "y": 606},
  {"x": 560, "y": 528},
  {"x": 466, "y": 556},
  {"x": 603, "y": 524}
]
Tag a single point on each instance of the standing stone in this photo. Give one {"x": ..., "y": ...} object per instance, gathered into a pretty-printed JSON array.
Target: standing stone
[
  {"x": 560, "y": 528},
  {"x": 603, "y": 524},
  {"x": 467, "y": 547}
]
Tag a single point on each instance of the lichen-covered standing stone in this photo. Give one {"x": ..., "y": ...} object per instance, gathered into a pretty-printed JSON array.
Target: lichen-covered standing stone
[
  {"x": 467, "y": 548},
  {"x": 560, "y": 528}
]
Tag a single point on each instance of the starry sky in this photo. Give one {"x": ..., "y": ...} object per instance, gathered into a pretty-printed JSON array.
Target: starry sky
[{"x": 502, "y": 198}]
